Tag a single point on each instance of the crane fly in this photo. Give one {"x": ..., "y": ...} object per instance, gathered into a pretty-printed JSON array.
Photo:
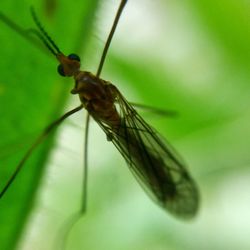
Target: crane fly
[{"x": 154, "y": 163}]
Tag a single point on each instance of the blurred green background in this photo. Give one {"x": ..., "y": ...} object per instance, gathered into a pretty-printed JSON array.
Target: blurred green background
[{"x": 188, "y": 56}]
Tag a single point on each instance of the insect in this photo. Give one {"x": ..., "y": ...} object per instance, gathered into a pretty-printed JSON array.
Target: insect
[{"x": 154, "y": 163}]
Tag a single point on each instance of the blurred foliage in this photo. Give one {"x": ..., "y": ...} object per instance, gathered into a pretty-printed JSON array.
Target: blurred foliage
[
  {"x": 192, "y": 57},
  {"x": 31, "y": 96}
]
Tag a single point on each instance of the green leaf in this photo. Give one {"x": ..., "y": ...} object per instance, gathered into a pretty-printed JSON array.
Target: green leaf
[{"x": 31, "y": 96}]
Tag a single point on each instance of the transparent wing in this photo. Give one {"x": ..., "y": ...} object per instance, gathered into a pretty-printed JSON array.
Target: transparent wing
[{"x": 155, "y": 164}]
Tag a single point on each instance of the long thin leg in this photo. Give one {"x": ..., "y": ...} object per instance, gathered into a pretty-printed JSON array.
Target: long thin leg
[
  {"x": 158, "y": 111},
  {"x": 75, "y": 217},
  {"x": 111, "y": 33},
  {"x": 43, "y": 135},
  {"x": 85, "y": 167}
]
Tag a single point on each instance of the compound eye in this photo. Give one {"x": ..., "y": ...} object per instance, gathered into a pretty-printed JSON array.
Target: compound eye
[
  {"x": 74, "y": 57},
  {"x": 60, "y": 70}
]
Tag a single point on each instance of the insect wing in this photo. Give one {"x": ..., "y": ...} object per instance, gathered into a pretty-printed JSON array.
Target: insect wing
[{"x": 155, "y": 164}]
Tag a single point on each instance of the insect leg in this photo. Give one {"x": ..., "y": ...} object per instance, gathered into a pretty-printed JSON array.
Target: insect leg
[{"x": 39, "y": 139}]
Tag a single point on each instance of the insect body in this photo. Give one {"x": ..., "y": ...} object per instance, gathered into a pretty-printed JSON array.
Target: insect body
[{"x": 157, "y": 167}]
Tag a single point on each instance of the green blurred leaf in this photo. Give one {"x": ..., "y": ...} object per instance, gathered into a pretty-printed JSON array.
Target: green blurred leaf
[{"x": 31, "y": 96}]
